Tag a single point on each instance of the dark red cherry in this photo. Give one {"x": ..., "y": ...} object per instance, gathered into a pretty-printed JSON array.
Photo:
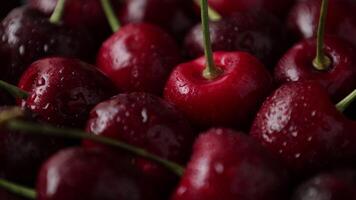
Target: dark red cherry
[
  {"x": 229, "y": 165},
  {"x": 21, "y": 154},
  {"x": 300, "y": 125},
  {"x": 148, "y": 122},
  {"x": 230, "y": 99},
  {"x": 27, "y": 35},
  {"x": 7, "y": 6},
  {"x": 228, "y": 7},
  {"x": 139, "y": 58},
  {"x": 338, "y": 78},
  {"x": 175, "y": 16},
  {"x": 74, "y": 174},
  {"x": 258, "y": 33},
  {"x": 62, "y": 91},
  {"x": 339, "y": 185},
  {"x": 304, "y": 17}
]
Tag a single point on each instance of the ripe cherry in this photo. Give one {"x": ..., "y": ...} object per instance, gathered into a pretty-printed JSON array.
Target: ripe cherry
[
  {"x": 27, "y": 35},
  {"x": 62, "y": 91},
  {"x": 139, "y": 58},
  {"x": 300, "y": 125},
  {"x": 229, "y": 165}
]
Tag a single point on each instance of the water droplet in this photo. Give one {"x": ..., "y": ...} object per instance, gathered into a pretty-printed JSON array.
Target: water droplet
[
  {"x": 297, "y": 155},
  {"x": 295, "y": 134},
  {"x": 22, "y": 50},
  {"x": 219, "y": 168},
  {"x": 144, "y": 115}
]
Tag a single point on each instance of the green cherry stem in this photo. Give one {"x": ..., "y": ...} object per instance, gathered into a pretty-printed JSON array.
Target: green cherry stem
[
  {"x": 13, "y": 90},
  {"x": 213, "y": 15},
  {"x": 110, "y": 15},
  {"x": 345, "y": 103},
  {"x": 211, "y": 71},
  {"x": 28, "y": 127},
  {"x": 58, "y": 12},
  {"x": 18, "y": 189},
  {"x": 321, "y": 61}
]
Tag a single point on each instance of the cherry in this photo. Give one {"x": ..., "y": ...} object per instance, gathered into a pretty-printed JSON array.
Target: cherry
[
  {"x": 299, "y": 124},
  {"x": 175, "y": 16},
  {"x": 62, "y": 91},
  {"x": 21, "y": 154},
  {"x": 27, "y": 35},
  {"x": 229, "y": 165},
  {"x": 77, "y": 173},
  {"x": 258, "y": 33},
  {"x": 7, "y": 6},
  {"x": 145, "y": 121},
  {"x": 228, "y": 7},
  {"x": 139, "y": 58},
  {"x": 339, "y": 185},
  {"x": 220, "y": 89},
  {"x": 303, "y": 19}
]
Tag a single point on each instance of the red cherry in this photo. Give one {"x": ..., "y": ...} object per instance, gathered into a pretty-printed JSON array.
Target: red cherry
[
  {"x": 229, "y": 165},
  {"x": 341, "y": 21},
  {"x": 338, "y": 78},
  {"x": 148, "y": 122},
  {"x": 337, "y": 185},
  {"x": 228, "y": 7},
  {"x": 139, "y": 58},
  {"x": 300, "y": 125},
  {"x": 231, "y": 99},
  {"x": 75, "y": 174},
  {"x": 62, "y": 91}
]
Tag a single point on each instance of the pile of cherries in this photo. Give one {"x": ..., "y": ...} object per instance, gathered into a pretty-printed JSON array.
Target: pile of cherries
[{"x": 138, "y": 100}]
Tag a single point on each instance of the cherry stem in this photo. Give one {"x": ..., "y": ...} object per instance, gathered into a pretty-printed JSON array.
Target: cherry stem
[
  {"x": 345, "y": 103},
  {"x": 213, "y": 15},
  {"x": 58, "y": 12},
  {"x": 27, "y": 127},
  {"x": 18, "y": 189},
  {"x": 321, "y": 61},
  {"x": 211, "y": 71},
  {"x": 110, "y": 15},
  {"x": 13, "y": 90}
]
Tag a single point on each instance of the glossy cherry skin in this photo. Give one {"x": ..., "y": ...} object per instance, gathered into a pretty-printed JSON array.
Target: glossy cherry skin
[
  {"x": 7, "y": 6},
  {"x": 230, "y": 100},
  {"x": 21, "y": 154},
  {"x": 27, "y": 35},
  {"x": 258, "y": 33},
  {"x": 139, "y": 58},
  {"x": 175, "y": 16},
  {"x": 62, "y": 91},
  {"x": 77, "y": 173},
  {"x": 302, "y": 127},
  {"x": 228, "y": 7},
  {"x": 148, "y": 122},
  {"x": 339, "y": 185},
  {"x": 304, "y": 19},
  {"x": 229, "y": 165},
  {"x": 339, "y": 79}
]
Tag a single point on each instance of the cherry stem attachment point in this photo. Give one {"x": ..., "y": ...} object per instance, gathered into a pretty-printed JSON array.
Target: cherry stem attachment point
[
  {"x": 322, "y": 61},
  {"x": 110, "y": 15},
  {"x": 211, "y": 71},
  {"x": 58, "y": 12},
  {"x": 213, "y": 15},
  {"x": 345, "y": 103},
  {"x": 18, "y": 189},
  {"x": 28, "y": 127},
  {"x": 13, "y": 90}
]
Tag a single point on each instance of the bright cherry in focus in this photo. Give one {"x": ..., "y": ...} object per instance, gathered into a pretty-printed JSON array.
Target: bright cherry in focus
[
  {"x": 258, "y": 33},
  {"x": 338, "y": 78},
  {"x": 148, "y": 122},
  {"x": 27, "y": 35},
  {"x": 339, "y": 185},
  {"x": 228, "y": 7},
  {"x": 175, "y": 16},
  {"x": 139, "y": 58},
  {"x": 62, "y": 91},
  {"x": 230, "y": 99},
  {"x": 229, "y": 165},
  {"x": 304, "y": 17},
  {"x": 74, "y": 174},
  {"x": 300, "y": 125}
]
